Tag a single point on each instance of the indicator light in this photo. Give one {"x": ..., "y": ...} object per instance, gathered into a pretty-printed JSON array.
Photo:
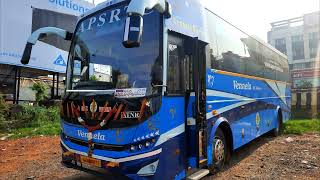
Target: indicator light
[
  {"x": 147, "y": 144},
  {"x": 132, "y": 148}
]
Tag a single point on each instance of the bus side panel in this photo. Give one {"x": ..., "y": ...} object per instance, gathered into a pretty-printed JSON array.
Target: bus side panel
[
  {"x": 249, "y": 104},
  {"x": 191, "y": 132}
]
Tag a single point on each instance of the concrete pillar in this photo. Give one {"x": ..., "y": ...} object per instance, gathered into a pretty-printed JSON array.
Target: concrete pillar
[
  {"x": 303, "y": 99},
  {"x": 293, "y": 99},
  {"x": 306, "y": 45},
  {"x": 314, "y": 98}
]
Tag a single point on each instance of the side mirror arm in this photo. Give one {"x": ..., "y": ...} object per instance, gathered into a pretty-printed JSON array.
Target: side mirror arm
[
  {"x": 139, "y": 7},
  {"x": 134, "y": 22},
  {"x": 42, "y": 32}
]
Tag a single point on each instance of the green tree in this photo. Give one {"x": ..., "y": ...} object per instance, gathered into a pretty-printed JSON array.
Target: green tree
[
  {"x": 41, "y": 91},
  {"x": 305, "y": 84},
  {"x": 93, "y": 78},
  {"x": 4, "y": 112}
]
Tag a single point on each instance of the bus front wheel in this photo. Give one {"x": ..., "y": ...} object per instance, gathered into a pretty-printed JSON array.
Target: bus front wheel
[{"x": 219, "y": 151}]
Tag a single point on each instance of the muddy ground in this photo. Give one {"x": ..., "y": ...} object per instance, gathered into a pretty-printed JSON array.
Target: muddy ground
[{"x": 285, "y": 157}]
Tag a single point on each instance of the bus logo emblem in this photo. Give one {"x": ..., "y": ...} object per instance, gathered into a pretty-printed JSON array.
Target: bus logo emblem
[
  {"x": 258, "y": 121},
  {"x": 93, "y": 106},
  {"x": 130, "y": 114}
]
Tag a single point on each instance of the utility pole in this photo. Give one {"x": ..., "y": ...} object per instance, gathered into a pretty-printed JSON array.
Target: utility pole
[{"x": 93, "y": 3}]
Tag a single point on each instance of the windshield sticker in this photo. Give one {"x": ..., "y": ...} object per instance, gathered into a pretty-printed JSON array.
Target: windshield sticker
[{"x": 130, "y": 93}]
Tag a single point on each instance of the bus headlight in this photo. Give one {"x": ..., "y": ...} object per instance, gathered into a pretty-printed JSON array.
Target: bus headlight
[
  {"x": 147, "y": 144},
  {"x": 132, "y": 148}
]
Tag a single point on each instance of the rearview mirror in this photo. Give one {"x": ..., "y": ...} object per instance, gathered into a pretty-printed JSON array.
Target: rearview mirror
[
  {"x": 133, "y": 31},
  {"x": 26, "y": 53},
  {"x": 40, "y": 33}
]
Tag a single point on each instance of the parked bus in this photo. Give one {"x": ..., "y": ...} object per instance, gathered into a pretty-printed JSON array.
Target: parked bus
[{"x": 165, "y": 89}]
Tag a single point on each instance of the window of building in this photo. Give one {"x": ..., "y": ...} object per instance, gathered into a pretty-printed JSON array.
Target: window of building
[
  {"x": 308, "y": 99},
  {"x": 298, "y": 66},
  {"x": 309, "y": 65},
  {"x": 297, "y": 47},
  {"x": 291, "y": 66},
  {"x": 280, "y": 44},
  {"x": 313, "y": 44},
  {"x": 298, "y": 103}
]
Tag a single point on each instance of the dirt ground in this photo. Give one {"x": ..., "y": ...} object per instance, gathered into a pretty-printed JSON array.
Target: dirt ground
[{"x": 294, "y": 157}]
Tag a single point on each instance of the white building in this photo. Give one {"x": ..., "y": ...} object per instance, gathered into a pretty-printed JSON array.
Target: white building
[
  {"x": 299, "y": 39},
  {"x": 18, "y": 19}
]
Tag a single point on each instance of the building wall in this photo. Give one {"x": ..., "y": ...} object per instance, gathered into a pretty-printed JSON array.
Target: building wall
[{"x": 305, "y": 71}]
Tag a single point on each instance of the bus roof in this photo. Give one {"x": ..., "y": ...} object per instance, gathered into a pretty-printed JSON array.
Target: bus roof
[{"x": 197, "y": 9}]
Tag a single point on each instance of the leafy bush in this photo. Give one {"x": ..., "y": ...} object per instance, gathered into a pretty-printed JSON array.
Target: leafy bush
[
  {"x": 35, "y": 116},
  {"x": 41, "y": 91},
  {"x": 25, "y": 120},
  {"x": 4, "y": 112}
]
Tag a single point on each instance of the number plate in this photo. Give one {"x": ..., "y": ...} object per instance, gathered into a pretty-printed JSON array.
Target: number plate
[{"x": 90, "y": 161}]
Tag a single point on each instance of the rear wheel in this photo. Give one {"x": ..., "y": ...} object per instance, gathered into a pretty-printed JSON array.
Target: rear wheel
[
  {"x": 278, "y": 130},
  {"x": 220, "y": 152}
]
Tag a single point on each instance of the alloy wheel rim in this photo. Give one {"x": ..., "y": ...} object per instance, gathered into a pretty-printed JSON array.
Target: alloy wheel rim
[{"x": 219, "y": 150}]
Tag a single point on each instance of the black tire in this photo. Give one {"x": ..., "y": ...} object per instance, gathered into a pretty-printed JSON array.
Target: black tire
[
  {"x": 219, "y": 160},
  {"x": 278, "y": 130}
]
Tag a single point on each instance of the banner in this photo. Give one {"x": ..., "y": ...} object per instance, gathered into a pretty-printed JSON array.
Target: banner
[{"x": 19, "y": 18}]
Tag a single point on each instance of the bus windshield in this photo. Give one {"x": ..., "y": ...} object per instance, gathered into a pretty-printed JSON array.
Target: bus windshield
[{"x": 99, "y": 61}]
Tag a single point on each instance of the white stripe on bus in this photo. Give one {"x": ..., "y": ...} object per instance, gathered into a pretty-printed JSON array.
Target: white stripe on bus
[
  {"x": 120, "y": 160},
  {"x": 170, "y": 134}
]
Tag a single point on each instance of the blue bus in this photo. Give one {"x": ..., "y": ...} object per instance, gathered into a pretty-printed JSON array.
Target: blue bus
[{"x": 160, "y": 89}]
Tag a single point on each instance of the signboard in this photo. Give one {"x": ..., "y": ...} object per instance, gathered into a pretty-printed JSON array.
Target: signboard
[
  {"x": 18, "y": 18},
  {"x": 305, "y": 73},
  {"x": 306, "y": 83}
]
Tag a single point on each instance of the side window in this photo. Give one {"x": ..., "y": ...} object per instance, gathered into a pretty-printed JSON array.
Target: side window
[
  {"x": 234, "y": 51},
  {"x": 175, "y": 71},
  {"x": 227, "y": 46}
]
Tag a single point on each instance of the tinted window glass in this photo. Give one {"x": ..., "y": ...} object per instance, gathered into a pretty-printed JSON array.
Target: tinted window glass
[
  {"x": 175, "y": 64},
  {"x": 102, "y": 62},
  {"x": 234, "y": 51},
  {"x": 297, "y": 47},
  {"x": 280, "y": 44},
  {"x": 313, "y": 44}
]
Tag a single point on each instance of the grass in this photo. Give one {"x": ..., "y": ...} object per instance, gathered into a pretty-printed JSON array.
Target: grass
[
  {"x": 302, "y": 126},
  {"x": 29, "y": 121},
  {"x": 47, "y": 129}
]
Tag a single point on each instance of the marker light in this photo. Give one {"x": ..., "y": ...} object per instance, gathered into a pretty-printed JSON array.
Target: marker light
[
  {"x": 132, "y": 148},
  {"x": 147, "y": 144}
]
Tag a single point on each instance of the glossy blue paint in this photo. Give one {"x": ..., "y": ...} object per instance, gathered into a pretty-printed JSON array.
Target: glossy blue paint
[
  {"x": 252, "y": 110},
  {"x": 212, "y": 132},
  {"x": 192, "y": 162},
  {"x": 173, "y": 155},
  {"x": 181, "y": 175},
  {"x": 237, "y": 107}
]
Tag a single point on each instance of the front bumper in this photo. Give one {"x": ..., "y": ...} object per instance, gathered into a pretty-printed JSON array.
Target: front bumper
[{"x": 144, "y": 164}]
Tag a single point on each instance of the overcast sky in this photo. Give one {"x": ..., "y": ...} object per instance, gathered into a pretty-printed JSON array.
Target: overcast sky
[{"x": 255, "y": 16}]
